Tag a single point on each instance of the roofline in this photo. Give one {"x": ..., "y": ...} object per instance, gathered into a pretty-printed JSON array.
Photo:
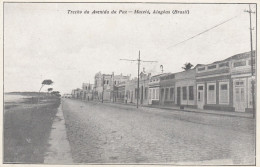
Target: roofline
[{"x": 225, "y": 60}]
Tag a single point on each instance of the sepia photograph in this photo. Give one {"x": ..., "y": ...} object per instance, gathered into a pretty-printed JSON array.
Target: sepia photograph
[{"x": 129, "y": 83}]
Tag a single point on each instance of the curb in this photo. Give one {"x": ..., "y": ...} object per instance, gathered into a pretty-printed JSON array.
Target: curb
[
  {"x": 219, "y": 114},
  {"x": 174, "y": 109}
]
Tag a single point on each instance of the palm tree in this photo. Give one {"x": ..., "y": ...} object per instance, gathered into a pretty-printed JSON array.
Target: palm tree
[{"x": 187, "y": 66}]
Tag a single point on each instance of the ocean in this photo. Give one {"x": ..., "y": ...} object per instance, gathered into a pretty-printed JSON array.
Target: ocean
[{"x": 14, "y": 98}]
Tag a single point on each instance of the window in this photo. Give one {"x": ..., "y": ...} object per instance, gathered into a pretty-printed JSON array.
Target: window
[
  {"x": 135, "y": 93},
  {"x": 162, "y": 93},
  {"x": 211, "y": 95},
  {"x": 212, "y": 67},
  {"x": 226, "y": 64},
  {"x": 200, "y": 87},
  {"x": 223, "y": 93},
  {"x": 223, "y": 87},
  {"x": 172, "y": 94},
  {"x": 211, "y": 87},
  {"x": 157, "y": 94},
  {"x": 153, "y": 93},
  {"x": 172, "y": 76},
  {"x": 239, "y": 84},
  {"x": 201, "y": 69},
  {"x": 240, "y": 63},
  {"x": 166, "y": 93},
  {"x": 242, "y": 94},
  {"x": 184, "y": 93},
  {"x": 191, "y": 94}
]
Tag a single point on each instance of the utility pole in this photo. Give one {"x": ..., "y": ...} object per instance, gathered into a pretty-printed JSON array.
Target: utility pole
[
  {"x": 103, "y": 89},
  {"x": 138, "y": 70},
  {"x": 138, "y": 79},
  {"x": 252, "y": 62},
  {"x": 113, "y": 84}
]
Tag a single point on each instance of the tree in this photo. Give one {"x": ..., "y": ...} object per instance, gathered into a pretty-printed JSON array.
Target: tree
[
  {"x": 49, "y": 90},
  {"x": 44, "y": 82},
  {"x": 187, "y": 66},
  {"x": 56, "y": 93}
]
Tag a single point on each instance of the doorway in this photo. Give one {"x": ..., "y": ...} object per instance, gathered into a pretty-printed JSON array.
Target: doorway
[
  {"x": 239, "y": 95},
  {"x": 200, "y": 96},
  {"x": 178, "y": 95}
]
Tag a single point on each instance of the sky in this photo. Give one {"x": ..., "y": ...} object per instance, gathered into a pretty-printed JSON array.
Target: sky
[{"x": 42, "y": 41}]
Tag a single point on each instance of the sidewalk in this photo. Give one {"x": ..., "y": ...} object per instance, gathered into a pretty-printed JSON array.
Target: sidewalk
[
  {"x": 187, "y": 109},
  {"x": 215, "y": 112},
  {"x": 59, "y": 151}
]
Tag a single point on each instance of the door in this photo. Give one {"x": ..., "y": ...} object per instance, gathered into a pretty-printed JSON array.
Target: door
[
  {"x": 162, "y": 96},
  {"x": 178, "y": 95},
  {"x": 239, "y": 95},
  {"x": 85, "y": 93},
  {"x": 200, "y": 96},
  {"x": 132, "y": 94}
]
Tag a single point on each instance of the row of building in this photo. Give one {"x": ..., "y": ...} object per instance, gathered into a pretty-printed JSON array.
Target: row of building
[{"x": 223, "y": 85}]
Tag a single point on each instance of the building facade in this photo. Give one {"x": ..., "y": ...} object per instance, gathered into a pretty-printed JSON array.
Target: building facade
[
  {"x": 223, "y": 85},
  {"x": 121, "y": 93},
  {"x": 185, "y": 88},
  {"x": 102, "y": 86},
  {"x": 143, "y": 88},
  {"x": 98, "y": 86},
  {"x": 243, "y": 77},
  {"x": 167, "y": 89},
  {"x": 226, "y": 85},
  {"x": 154, "y": 89},
  {"x": 214, "y": 86},
  {"x": 105, "y": 87},
  {"x": 131, "y": 90},
  {"x": 76, "y": 93},
  {"x": 119, "y": 82},
  {"x": 87, "y": 89},
  {"x": 130, "y": 87}
]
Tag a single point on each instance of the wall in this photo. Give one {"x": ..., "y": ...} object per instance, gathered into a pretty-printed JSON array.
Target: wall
[{"x": 186, "y": 79}]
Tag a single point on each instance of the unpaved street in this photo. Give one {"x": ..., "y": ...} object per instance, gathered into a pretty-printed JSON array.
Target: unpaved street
[{"x": 113, "y": 133}]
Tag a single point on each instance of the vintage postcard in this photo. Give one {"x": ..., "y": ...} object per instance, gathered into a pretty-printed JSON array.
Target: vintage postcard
[{"x": 129, "y": 83}]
